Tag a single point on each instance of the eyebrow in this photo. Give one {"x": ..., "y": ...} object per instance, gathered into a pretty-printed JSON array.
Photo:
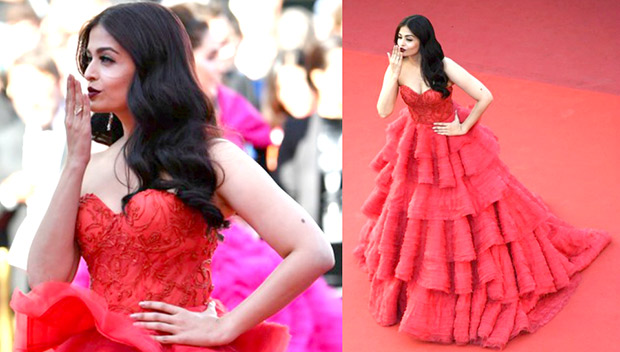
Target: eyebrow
[{"x": 102, "y": 49}]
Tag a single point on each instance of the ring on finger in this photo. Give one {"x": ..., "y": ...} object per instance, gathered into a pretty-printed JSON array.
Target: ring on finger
[{"x": 78, "y": 111}]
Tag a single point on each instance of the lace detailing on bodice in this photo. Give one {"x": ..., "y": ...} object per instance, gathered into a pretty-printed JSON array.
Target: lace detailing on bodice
[
  {"x": 428, "y": 107},
  {"x": 159, "y": 250}
]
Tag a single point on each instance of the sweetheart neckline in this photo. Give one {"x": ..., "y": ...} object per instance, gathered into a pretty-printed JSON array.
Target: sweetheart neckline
[
  {"x": 420, "y": 94},
  {"x": 98, "y": 199}
]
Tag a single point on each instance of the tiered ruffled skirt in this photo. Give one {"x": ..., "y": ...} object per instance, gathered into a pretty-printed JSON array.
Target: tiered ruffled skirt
[{"x": 458, "y": 250}]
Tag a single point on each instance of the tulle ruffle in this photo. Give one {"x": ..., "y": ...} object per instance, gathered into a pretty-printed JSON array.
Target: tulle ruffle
[
  {"x": 456, "y": 248},
  {"x": 64, "y": 317}
]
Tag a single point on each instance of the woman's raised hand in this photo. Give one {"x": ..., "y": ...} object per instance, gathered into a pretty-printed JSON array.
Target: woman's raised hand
[
  {"x": 396, "y": 60},
  {"x": 77, "y": 123}
]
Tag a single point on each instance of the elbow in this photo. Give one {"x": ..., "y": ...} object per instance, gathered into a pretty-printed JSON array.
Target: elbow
[
  {"x": 489, "y": 98},
  {"x": 383, "y": 113},
  {"x": 325, "y": 259}
]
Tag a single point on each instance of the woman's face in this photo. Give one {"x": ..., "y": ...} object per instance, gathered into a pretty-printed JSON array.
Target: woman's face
[
  {"x": 39, "y": 111},
  {"x": 109, "y": 72},
  {"x": 205, "y": 56},
  {"x": 407, "y": 41}
]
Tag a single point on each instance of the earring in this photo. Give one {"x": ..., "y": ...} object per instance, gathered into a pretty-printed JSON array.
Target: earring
[{"x": 109, "y": 125}]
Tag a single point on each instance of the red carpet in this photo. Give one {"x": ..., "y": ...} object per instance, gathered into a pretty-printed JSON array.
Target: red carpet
[{"x": 558, "y": 138}]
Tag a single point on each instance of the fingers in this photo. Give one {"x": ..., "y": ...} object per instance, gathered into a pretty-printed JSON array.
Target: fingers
[
  {"x": 168, "y": 339},
  {"x": 77, "y": 97},
  {"x": 70, "y": 99},
  {"x": 396, "y": 56},
  {"x": 161, "y": 306},
  {"x": 153, "y": 317},
  {"x": 86, "y": 105},
  {"x": 211, "y": 309},
  {"x": 158, "y": 326}
]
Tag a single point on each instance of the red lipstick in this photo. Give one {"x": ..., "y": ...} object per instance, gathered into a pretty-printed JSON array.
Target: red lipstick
[{"x": 92, "y": 92}]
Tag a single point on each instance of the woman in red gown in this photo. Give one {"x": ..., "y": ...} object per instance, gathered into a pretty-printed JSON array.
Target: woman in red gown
[
  {"x": 145, "y": 213},
  {"x": 457, "y": 250}
]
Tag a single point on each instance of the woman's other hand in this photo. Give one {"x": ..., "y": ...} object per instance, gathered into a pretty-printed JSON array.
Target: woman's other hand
[
  {"x": 181, "y": 326},
  {"x": 454, "y": 128}
]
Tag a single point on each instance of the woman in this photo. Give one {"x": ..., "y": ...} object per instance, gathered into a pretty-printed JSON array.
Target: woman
[
  {"x": 149, "y": 256},
  {"x": 457, "y": 250}
]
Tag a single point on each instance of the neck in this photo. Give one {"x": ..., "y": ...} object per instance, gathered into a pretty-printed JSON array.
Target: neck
[
  {"x": 128, "y": 123},
  {"x": 415, "y": 59}
]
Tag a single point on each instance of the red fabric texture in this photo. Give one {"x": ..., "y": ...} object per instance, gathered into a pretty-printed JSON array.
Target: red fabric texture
[
  {"x": 458, "y": 250},
  {"x": 159, "y": 250}
]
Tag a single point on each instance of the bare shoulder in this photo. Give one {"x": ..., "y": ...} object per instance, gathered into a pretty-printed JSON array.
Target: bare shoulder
[
  {"x": 226, "y": 155},
  {"x": 448, "y": 63}
]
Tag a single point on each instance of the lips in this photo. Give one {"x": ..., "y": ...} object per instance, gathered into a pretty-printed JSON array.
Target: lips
[
  {"x": 92, "y": 92},
  {"x": 402, "y": 50}
]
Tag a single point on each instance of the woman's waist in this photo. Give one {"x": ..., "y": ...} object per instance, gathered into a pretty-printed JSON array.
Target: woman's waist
[
  {"x": 125, "y": 298},
  {"x": 430, "y": 116}
]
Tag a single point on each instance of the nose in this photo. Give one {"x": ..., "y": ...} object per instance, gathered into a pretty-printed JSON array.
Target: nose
[{"x": 90, "y": 72}]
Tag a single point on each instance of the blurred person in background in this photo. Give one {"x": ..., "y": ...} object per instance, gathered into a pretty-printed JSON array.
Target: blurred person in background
[
  {"x": 290, "y": 103},
  {"x": 19, "y": 30},
  {"x": 244, "y": 125},
  {"x": 34, "y": 90},
  {"x": 324, "y": 65}
]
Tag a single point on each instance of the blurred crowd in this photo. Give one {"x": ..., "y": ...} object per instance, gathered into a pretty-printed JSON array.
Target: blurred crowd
[{"x": 273, "y": 69}]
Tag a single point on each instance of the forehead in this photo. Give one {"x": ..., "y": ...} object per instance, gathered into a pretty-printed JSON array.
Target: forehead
[
  {"x": 99, "y": 38},
  {"x": 404, "y": 30}
]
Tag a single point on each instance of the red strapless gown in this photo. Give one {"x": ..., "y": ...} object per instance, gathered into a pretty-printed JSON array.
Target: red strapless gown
[
  {"x": 159, "y": 251},
  {"x": 458, "y": 250}
]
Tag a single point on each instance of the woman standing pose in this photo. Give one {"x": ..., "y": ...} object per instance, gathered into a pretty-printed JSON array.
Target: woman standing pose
[
  {"x": 458, "y": 250},
  {"x": 145, "y": 212}
]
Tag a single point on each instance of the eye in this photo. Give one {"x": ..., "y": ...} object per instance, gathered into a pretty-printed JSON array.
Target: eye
[{"x": 105, "y": 59}]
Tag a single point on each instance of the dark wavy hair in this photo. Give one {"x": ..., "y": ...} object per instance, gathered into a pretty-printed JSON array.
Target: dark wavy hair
[
  {"x": 430, "y": 50},
  {"x": 174, "y": 119}
]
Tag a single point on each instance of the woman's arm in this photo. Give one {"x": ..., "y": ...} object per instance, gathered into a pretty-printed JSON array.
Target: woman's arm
[
  {"x": 389, "y": 90},
  {"x": 472, "y": 86},
  {"x": 54, "y": 255},
  {"x": 282, "y": 223}
]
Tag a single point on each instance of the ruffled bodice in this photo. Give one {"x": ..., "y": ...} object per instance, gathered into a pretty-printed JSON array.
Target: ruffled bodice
[
  {"x": 428, "y": 107},
  {"x": 160, "y": 250}
]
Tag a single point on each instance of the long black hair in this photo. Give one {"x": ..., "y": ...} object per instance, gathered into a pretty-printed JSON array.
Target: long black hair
[
  {"x": 430, "y": 51},
  {"x": 175, "y": 121}
]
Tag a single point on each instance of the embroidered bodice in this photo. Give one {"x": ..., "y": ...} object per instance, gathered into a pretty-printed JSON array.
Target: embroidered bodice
[
  {"x": 159, "y": 250},
  {"x": 428, "y": 107}
]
